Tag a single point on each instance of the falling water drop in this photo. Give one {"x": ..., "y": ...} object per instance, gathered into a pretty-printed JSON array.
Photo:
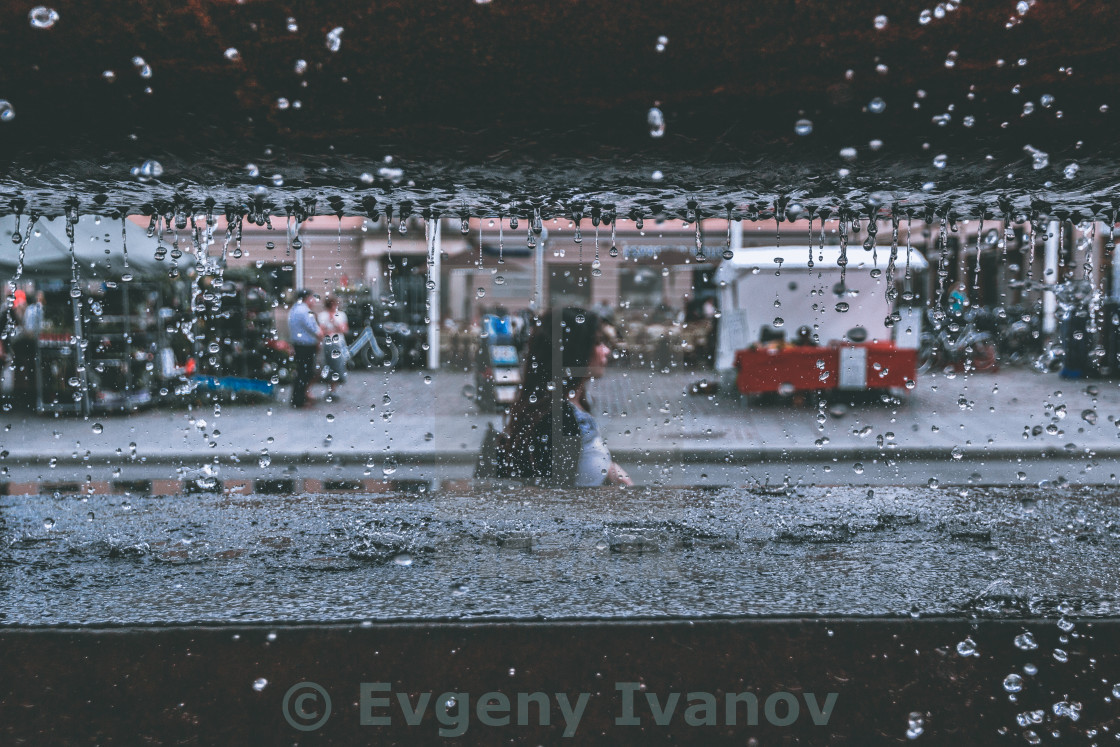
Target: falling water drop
[
  {"x": 876, "y": 105},
  {"x": 334, "y": 39},
  {"x": 880, "y": 22},
  {"x": 232, "y": 54},
  {"x": 42, "y": 17},
  {"x": 7, "y": 111},
  {"x": 803, "y": 127},
  {"x": 142, "y": 67},
  {"x": 655, "y": 118}
]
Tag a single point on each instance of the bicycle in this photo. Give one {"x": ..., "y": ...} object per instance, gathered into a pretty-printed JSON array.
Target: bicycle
[{"x": 367, "y": 350}]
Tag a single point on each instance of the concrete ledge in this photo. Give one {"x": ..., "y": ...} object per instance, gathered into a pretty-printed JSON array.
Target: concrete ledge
[{"x": 233, "y": 684}]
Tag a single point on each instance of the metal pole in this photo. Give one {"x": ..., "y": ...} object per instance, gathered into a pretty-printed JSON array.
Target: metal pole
[
  {"x": 299, "y": 263},
  {"x": 127, "y": 345},
  {"x": 1050, "y": 279},
  {"x": 538, "y": 276},
  {"x": 83, "y": 378},
  {"x": 435, "y": 263}
]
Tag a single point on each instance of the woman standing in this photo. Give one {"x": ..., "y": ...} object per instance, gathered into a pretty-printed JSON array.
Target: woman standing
[
  {"x": 336, "y": 354},
  {"x": 551, "y": 438}
]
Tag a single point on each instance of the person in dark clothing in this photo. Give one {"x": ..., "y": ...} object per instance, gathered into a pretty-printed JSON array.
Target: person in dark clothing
[
  {"x": 551, "y": 439},
  {"x": 305, "y": 334}
]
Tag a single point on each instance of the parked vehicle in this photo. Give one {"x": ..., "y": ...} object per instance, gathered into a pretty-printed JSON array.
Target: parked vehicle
[
  {"x": 497, "y": 373},
  {"x": 957, "y": 343},
  {"x": 769, "y": 293},
  {"x": 367, "y": 351}
]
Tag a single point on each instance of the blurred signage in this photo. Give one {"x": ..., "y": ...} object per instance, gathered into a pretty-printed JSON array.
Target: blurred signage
[{"x": 654, "y": 251}]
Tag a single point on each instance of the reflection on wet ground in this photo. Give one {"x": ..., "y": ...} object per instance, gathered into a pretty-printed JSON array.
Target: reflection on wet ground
[{"x": 513, "y": 553}]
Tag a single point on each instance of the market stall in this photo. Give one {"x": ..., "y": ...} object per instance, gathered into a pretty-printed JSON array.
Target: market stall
[
  {"x": 792, "y": 319},
  {"x": 100, "y": 341}
]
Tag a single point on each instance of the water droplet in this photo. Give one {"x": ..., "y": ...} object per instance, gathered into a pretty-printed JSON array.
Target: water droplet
[
  {"x": 260, "y": 683},
  {"x": 662, "y": 42},
  {"x": 1013, "y": 683},
  {"x": 613, "y": 251},
  {"x": 842, "y": 306},
  {"x": 803, "y": 127},
  {"x": 7, "y": 111},
  {"x": 265, "y": 459},
  {"x": 1071, "y": 171},
  {"x": 232, "y": 54},
  {"x": 925, "y": 17},
  {"x": 98, "y": 428},
  {"x": 940, "y": 160},
  {"x": 967, "y": 647},
  {"x": 334, "y": 38},
  {"x": 848, "y": 154},
  {"x": 1039, "y": 159},
  {"x": 951, "y": 60},
  {"x": 48, "y": 524},
  {"x": 499, "y": 280},
  {"x": 282, "y": 103},
  {"x": 293, "y": 27},
  {"x": 109, "y": 76},
  {"x": 300, "y": 67},
  {"x": 480, "y": 292},
  {"x": 142, "y": 67},
  {"x": 404, "y": 559},
  {"x": 1060, "y": 655},
  {"x": 880, "y": 22},
  {"x": 150, "y": 169},
  {"x": 1089, "y": 416},
  {"x": 957, "y": 453},
  {"x": 656, "y": 176},
  {"x": 42, "y": 17},
  {"x": 656, "y": 120},
  {"x": 778, "y": 321},
  {"x": 876, "y": 105},
  {"x": 1025, "y": 641},
  {"x": 916, "y": 721}
]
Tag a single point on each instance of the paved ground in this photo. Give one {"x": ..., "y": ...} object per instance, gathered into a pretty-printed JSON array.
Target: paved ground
[{"x": 414, "y": 417}]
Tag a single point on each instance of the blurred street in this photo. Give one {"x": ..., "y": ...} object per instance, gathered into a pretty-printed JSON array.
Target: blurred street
[{"x": 1015, "y": 425}]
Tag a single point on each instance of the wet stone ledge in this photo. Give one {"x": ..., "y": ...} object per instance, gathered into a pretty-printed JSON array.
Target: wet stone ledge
[{"x": 509, "y": 553}]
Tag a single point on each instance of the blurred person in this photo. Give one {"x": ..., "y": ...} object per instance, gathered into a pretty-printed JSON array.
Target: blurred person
[
  {"x": 25, "y": 346},
  {"x": 335, "y": 326},
  {"x": 557, "y": 371},
  {"x": 305, "y": 335}
]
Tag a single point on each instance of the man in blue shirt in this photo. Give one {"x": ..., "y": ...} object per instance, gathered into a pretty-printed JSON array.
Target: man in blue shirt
[{"x": 305, "y": 334}]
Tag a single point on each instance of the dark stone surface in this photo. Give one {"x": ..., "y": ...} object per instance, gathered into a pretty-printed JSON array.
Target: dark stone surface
[
  {"x": 506, "y": 107},
  {"x": 195, "y": 686}
]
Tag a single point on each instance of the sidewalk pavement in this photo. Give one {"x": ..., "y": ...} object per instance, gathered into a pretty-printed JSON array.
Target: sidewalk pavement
[{"x": 413, "y": 417}]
